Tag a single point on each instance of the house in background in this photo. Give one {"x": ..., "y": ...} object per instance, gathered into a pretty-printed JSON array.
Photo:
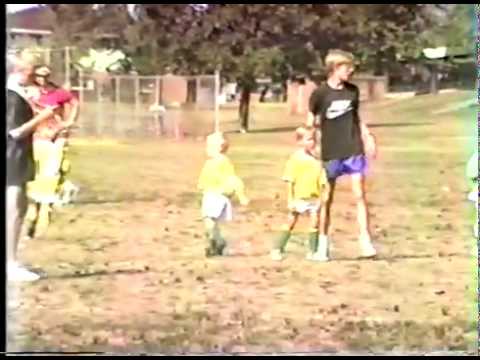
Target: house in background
[{"x": 33, "y": 26}]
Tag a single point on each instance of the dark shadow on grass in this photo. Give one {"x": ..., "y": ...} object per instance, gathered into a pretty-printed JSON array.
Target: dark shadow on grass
[
  {"x": 78, "y": 275},
  {"x": 272, "y": 130},
  {"x": 378, "y": 125},
  {"x": 334, "y": 259},
  {"x": 400, "y": 257},
  {"x": 292, "y": 128},
  {"x": 113, "y": 201}
]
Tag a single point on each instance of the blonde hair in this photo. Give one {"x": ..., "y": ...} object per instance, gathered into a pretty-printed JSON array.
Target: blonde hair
[
  {"x": 217, "y": 142},
  {"x": 302, "y": 132},
  {"x": 21, "y": 60},
  {"x": 338, "y": 57}
]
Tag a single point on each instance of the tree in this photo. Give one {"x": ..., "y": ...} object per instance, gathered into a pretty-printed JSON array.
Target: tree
[
  {"x": 454, "y": 29},
  {"x": 247, "y": 41}
]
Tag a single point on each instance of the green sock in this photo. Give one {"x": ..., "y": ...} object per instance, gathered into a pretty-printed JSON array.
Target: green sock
[
  {"x": 210, "y": 239},
  {"x": 218, "y": 239},
  {"x": 282, "y": 240},
  {"x": 313, "y": 241}
]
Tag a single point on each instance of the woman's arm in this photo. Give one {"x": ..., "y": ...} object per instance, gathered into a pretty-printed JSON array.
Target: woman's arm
[
  {"x": 30, "y": 126},
  {"x": 71, "y": 112}
]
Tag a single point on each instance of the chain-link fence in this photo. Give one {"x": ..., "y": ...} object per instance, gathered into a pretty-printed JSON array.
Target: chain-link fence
[
  {"x": 165, "y": 105},
  {"x": 59, "y": 60},
  {"x": 121, "y": 105}
]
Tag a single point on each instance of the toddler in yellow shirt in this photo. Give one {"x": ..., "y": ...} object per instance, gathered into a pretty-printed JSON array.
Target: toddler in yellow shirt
[
  {"x": 306, "y": 184},
  {"x": 218, "y": 183}
]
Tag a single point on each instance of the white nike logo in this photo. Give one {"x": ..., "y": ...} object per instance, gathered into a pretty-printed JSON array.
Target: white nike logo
[{"x": 338, "y": 108}]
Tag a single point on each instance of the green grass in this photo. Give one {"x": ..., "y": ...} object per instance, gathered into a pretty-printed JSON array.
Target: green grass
[{"x": 138, "y": 210}]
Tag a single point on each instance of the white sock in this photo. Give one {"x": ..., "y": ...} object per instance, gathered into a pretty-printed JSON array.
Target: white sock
[
  {"x": 365, "y": 239},
  {"x": 323, "y": 245}
]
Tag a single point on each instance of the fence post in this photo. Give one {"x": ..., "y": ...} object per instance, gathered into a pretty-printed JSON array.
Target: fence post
[
  {"x": 157, "y": 90},
  {"x": 81, "y": 85},
  {"x": 48, "y": 57},
  {"x": 300, "y": 99},
  {"x": 117, "y": 90},
  {"x": 137, "y": 93},
  {"x": 67, "y": 67},
  {"x": 216, "y": 104},
  {"x": 197, "y": 91}
]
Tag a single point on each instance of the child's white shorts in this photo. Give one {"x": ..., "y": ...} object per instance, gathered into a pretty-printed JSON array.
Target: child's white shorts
[
  {"x": 305, "y": 206},
  {"x": 217, "y": 206}
]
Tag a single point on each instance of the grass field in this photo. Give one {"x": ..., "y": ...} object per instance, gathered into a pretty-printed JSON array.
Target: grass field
[{"x": 126, "y": 270}]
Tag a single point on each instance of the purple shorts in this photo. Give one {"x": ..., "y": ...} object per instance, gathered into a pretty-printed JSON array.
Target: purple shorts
[{"x": 353, "y": 165}]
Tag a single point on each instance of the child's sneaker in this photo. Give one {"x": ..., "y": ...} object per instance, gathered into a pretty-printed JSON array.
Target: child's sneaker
[
  {"x": 276, "y": 255},
  {"x": 209, "y": 252},
  {"x": 220, "y": 249}
]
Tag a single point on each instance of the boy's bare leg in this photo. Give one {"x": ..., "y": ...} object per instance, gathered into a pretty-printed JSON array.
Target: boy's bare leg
[
  {"x": 325, "y": 210},
  {"x": 358, "y": 189}
]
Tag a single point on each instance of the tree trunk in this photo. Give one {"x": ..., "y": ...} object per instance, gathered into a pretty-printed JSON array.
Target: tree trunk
[
  {"x": 244, "y": 108},
  {"x": 379, "y": 69},
  {"x": 284, "y": 91},
  {"x": 191, "y": 91},
  {"x": 434, "y": 79},
  {"x": 263, "y": 94}
]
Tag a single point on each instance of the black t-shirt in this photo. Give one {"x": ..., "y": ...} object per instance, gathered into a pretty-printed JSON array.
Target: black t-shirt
[
  {"x": 338, "y": 111},
  {"x": 20, "y": 165}
]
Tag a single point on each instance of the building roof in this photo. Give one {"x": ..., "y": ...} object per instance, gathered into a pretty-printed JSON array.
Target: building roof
[
  {"x": 36, "y": 18},
  {"x": 29, "y": 31}
]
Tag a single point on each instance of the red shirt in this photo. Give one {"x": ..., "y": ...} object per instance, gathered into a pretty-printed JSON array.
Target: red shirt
[{"x": 50, "y": 128}]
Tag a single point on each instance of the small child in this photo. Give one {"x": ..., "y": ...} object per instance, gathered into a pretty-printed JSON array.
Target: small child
[
  {"x": 307, "y": 182},
  {"x": 50, "y": 139},
  {"x": 218, "y": 183}
]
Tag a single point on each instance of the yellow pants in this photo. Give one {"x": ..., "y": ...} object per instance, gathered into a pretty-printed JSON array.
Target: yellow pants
[{"x": 48, "y": 157}]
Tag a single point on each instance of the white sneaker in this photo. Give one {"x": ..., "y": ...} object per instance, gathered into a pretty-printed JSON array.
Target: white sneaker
[
  {"x": 18, "y": 273},
  {"x": 276, "y": 255},
  {"x": 319, "y": 257},
  {"x": 367, "y": 249}
]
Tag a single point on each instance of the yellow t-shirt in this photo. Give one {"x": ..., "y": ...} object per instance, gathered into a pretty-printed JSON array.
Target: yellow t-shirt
[
  {"x": 218, "y": 175},
  {"x": 306, "y": 174}
]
